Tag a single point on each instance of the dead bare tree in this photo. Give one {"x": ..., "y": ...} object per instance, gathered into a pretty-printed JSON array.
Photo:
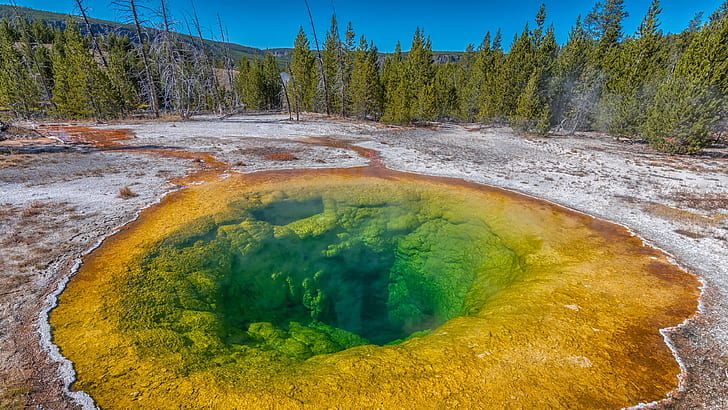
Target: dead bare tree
[
  {"x": 165, "y": 49},
  {"x": 320, "y": 60},
  {"x": 295, "y": 96},
  {"x": 92, "y": 36},
  {"x": 227, "y": 60},
  {"x": 213, "y": 84},
  {"x": 131, "y": 8},
  {"x": 197, "y": 85},
  {"x": 288, "y": 100}
]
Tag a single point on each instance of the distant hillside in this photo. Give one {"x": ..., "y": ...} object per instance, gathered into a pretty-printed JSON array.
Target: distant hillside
[
  {"x": 237, "y": 51},
  {"x": 217, "y": 48}
]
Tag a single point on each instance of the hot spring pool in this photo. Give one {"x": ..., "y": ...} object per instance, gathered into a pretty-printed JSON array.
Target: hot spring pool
[{"x": 370, "y": 288}]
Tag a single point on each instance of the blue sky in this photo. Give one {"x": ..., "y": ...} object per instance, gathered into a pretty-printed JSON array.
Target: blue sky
[{"x": 451, "y": 25}]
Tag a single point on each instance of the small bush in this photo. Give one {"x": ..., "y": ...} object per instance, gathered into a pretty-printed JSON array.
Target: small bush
[{"x": 126, "y": 193}]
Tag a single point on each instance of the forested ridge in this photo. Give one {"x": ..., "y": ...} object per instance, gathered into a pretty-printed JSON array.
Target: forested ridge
[{"x": 667, "y": 89}]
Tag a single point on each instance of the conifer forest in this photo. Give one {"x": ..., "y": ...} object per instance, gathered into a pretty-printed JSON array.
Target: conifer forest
[{"x": 666, "y": 89}]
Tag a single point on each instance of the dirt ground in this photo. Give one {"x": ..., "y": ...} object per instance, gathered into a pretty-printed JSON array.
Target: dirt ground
[{"x": 61, "y": 194}]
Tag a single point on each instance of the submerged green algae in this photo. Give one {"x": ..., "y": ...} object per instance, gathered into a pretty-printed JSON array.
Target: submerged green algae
[
  {"x": 370, "y": 288},
  {"x": 304, "y": 272}
]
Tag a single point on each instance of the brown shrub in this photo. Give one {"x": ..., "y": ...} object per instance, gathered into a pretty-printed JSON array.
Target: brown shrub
[
  {"x": 35, "y": 208},
  {"x": 126, "y": 193}
]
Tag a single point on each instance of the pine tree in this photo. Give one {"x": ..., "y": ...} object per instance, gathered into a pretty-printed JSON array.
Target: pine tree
[
  {"x": 366, "y": 93},
  {"x": 692, "y": 99},
  {"x": 18, "y": 91},
  {"x": 540, "y": 23},
  {"x": 242, "y": 84},
  {"x": 82, "y": 89},
  {"x": 121, "y": 69},
  {"x": 680, "y": 119},
  {"x": 603, "y": 25},
  {"x": 468, "y": 78},
  {"x": 303, "y": 71},
  {"x": 546, "y": 56},
  {"x": 546, "y": 51},
  {"x": 650, "y": 23},
  {"x": 333, "y": 66},
  {"x": 419, "y": 76},
  {"x": 270, "y": 83},
  {"x": 258, "y": 83},
  {"x": 635, "y": 77},
  {"x": 69, "y": 87},
  {"x": 492, "y": 65},
  {"x": 397, "y": 98},
  {"x": 518, "y": 66},
  {"x": 716, "y": 57},
  {"x": 35, "y": 56},
  {"x": 532, "y": 115},
  {"x": 611, "y": 21},
  {"x": 411, "y": 95},
  {"x": 347, "y": 65},
  {"x": 568, "y": 69},
  {"x": 528, "y": 67},
  {"x": 446, "y": 94}
]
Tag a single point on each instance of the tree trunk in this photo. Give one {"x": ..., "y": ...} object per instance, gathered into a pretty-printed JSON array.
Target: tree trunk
[
  {"x": 153, "y": 99},
  {"x": 174, "y": 88},
  {"x": 208, "y": 65},
  {"x": 31, "y": 52},
  {"x": 320, "y": 61},
  {"x": 295, "y": 97},
  {"x": 288, "y": 100},
  {"x": 94, "y": 43},
  {"x": 227, "y": 63}
]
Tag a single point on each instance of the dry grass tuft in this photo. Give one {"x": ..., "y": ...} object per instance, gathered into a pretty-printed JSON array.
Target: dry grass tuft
[
  {"x": 15, "y": 388},
  {"x": 15, "y": 160},
  {"x": 689, "y": 234},
  {"x": 126, "y": 193},
  {"x": 35, "y": 208},
  {"x": 5, "y": 213},
  {"x": 701, "y": 201},
  {"x": 14, "y": 395},
  {"x": 680, "y": 215},
  {"x": 281, "y": 156}
]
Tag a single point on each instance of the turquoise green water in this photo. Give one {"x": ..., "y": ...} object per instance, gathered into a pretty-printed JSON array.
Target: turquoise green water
[{"x": 313, "y": 274}]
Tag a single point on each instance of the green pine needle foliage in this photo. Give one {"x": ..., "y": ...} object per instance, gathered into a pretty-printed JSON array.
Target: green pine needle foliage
[
  {"x": 680, "y": 119},
  {"x": 668, "y": 89}
]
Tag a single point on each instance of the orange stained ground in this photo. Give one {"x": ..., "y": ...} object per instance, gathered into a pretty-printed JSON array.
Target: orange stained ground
[
  {"x": 370, "y": 154},
  {"x": 580, "y": 329},
  {"x": 208, "y": 169}
]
